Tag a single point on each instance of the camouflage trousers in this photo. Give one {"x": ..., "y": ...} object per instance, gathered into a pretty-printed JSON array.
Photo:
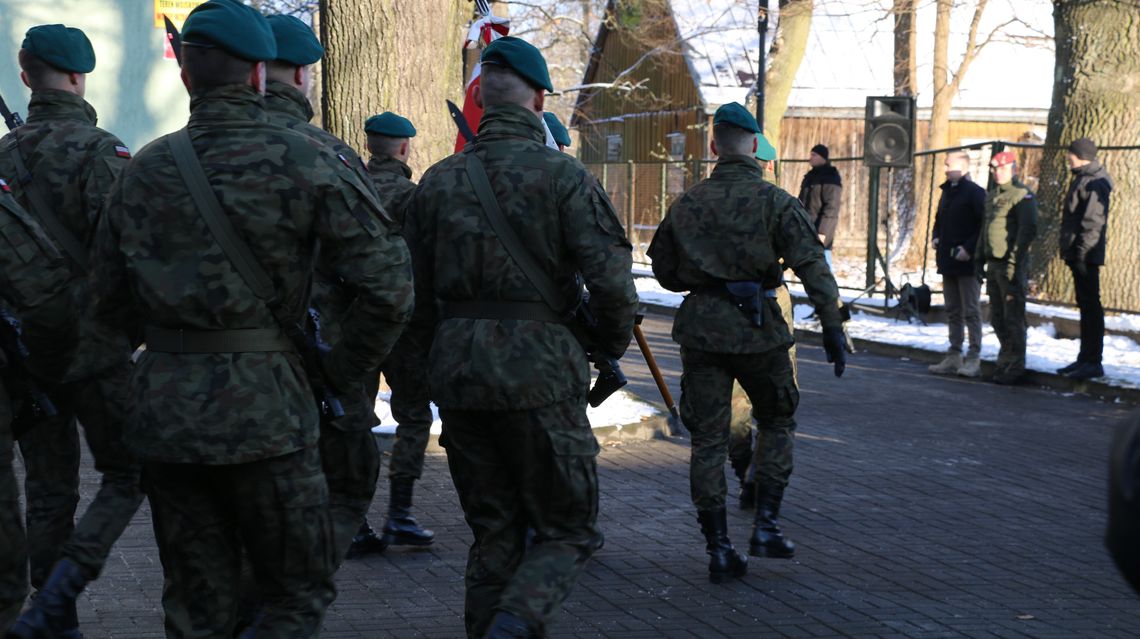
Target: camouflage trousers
[
  {"x": 13, "y": 549},
  {"x": 706, "y": 409},
  {"x": 514, "y": 470},
  {"x": 351, "y": 463},
  {"x": 406, "y": 373},
  {"x": 274, "y": 511},
  {"x": 1007, "y": 316},
  {"x": 99, "y": 403}
]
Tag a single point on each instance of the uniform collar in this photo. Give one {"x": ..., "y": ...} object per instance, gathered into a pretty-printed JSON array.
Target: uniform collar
[
  {"x": 509, "y": 120},
  {"x": 389, "y": 164},
  {"x": 230, "y": 102},
  {"x": 288, "y": 99},
  {"x": 53, "y": 104}
]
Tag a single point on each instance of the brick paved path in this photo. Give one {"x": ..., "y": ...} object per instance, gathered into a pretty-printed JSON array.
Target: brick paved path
[{"x": 922, "y": 507}]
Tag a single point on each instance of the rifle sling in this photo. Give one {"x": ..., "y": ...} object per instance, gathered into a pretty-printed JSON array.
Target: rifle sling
[
  {"x": 510, "y": 240},
  {"x": 45, "y": 214}
]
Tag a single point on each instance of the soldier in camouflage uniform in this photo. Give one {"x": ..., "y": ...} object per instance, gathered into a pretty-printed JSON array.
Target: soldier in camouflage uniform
[
  {"x": 349, "y": 454},
  {"x": 1003, "y": 250},
  {"x": 35, "y": 284},
  {"x": 507, "y": 373},
  {"x": 222, "y": 410},
  {"x": 389, "y": 143},
  {"x": 723, "y": 241},
  {"x": 61, "y": 166}
]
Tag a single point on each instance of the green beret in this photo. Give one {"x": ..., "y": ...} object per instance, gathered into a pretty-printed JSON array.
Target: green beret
[
  {"x": 391, "y": 125},
  {"x": 521, "y": 57},
  {"x": 764, "y": 150},
  {"x": 736, "y": 115},
  {"x": 65, "y": 48},
  {"x": 233, "y": 27},
  {"x": 296, "y": 43},
  {"x": 561, "y": 135}
]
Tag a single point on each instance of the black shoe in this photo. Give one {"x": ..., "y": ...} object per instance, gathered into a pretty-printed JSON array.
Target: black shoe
[
  {"x": 1070, "y": 368},
  {"x": 1005, "y": 378},
  {"x": 366, "y": 542},
  {"x": 767, "y": 538},
  {"x": 1087, "y": 370},
  {"x": 52, "y": 615},
  {"x": 508, "y": 626},
  {"x": 402, "y": 529},
  {"x": 724, "y": 562}
]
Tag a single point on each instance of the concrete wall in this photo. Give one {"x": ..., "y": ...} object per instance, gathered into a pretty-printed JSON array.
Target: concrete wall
[{"x": 136, "y": 91}]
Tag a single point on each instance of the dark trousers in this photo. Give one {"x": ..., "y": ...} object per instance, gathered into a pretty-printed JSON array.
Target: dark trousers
[
  {"x": 1087, "y": 288},
  {"x": 518, "y": 469}
]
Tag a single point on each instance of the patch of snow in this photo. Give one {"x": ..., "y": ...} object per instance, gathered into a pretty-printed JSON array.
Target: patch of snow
[
  {"x": 651, "y": 292},
  {"x": 621, "y": 409}
]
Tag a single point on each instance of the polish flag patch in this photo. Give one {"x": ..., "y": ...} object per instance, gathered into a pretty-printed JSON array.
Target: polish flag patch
[
  {"x": 122, "y": 151},
  {"x": 4, "y": 187},
  {"x": 344, "y": 160}
]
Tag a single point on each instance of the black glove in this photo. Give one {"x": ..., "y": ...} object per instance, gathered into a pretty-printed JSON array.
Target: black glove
[{"x": 834, "y": 343}]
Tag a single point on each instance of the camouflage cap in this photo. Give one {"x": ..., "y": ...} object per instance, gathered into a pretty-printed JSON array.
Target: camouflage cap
[
  {"x": 561, "y": 135},
  {"x": 391, "y": 125},
  {"x": 521, "y": 57},
  {"x": 765, "y": 152},
  {"x": 736, "y": 115},
  {"x": 232, "y": 27},
  {"x": 65, "y": 48},
  {"x": 296, "y": 42}
]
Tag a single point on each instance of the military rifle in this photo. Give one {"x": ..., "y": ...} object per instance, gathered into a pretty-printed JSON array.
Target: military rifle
[
  {"x": 11, "y": 118},
  {"x": 17, "y": 379}
]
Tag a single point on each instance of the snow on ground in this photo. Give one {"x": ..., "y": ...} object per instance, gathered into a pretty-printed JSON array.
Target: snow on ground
[{"x": 620, "y": 409}]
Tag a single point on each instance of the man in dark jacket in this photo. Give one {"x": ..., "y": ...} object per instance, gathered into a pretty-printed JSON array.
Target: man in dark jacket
[
  {"x": 961, "y": 208},
  {"x": 1084, "y": 225},
  {"x": 821, "y": 192}
]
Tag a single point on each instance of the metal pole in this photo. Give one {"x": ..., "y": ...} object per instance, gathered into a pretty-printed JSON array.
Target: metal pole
[
  {"x": 872, "y": 225},
  {"x": 762, "y": 27},
  {"x": 629, "y": 206},
  {"x": 887, "y": 230},
  {"x": 661, "y": 194}
]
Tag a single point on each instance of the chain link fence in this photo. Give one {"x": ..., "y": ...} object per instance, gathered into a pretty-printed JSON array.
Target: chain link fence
[{"x": 907, "y": 199}]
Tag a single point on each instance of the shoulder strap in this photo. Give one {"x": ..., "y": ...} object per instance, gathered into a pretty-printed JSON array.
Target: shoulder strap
[
  {"x": 206, "y": 201},
  {"x": 38, "y": 206},
  {"x": 510, "y": 240}
]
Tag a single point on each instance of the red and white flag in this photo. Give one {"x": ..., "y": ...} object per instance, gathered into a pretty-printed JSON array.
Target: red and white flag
[{"x": 483, "y": 31}]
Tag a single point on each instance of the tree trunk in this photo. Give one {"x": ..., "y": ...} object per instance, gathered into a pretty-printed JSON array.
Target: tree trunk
[
  {"x": 784, "y": 59},
  {"x": 939, "y": 133},
  {"x": 1096, "y": 94},
  {"x": 904, "y": 206},
  {"x": 393, "y": 55}
]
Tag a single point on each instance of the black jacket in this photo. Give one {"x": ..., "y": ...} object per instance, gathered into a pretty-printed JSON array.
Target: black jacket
[
  {"x": 961, "y": 210},
  {"x": 820, "y": 193},
  {"x": 1084, "y": 223}
]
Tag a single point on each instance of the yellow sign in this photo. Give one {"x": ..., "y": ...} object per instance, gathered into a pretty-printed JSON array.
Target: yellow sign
[{"x": 176, "y": 10}]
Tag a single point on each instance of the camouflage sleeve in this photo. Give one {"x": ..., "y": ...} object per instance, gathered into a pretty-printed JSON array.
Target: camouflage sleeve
[
  {"x": 373, "y": 262},
  {"x": 111, "y": 300},
  {"x": 100, "y": 174},
  {"x": 604, "y": 257},
  {"x": 419, "y": 231},
  {"x": 35, "y": 280},
  {"x": 795, "y": 241},
  {"x": 663, "y": 253}
]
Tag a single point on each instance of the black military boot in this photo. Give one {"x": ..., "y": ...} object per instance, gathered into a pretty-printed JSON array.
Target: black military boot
[
  {"x": 742, "y": 467},
  {"x": 52, "y": 615},
  {"x": 767, "y": 538},
  {"x": 508, "y": 626},
  {"x": 366, "y": 542},
  {"x": 724, "y": 562},
  {"x": 402, "y": 529}
]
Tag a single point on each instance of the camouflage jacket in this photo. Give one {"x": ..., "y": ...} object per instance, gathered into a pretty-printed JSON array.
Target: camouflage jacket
[
  {"x": 1010, "y": 224},
  {"x": 34, "y": 283},
  {"x": 393, "y": 181},
  {"x": 157, "y": 263},
  {"x": 565, "y": 219},
  {"x": 74, "y": 164},
  {"x": 736, "y": 227}
]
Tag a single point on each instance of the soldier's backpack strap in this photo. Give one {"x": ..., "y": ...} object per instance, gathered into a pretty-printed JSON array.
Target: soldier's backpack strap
[
  {"x": 510, "y": 240},
  {"x": 215, "y": 217},
  {"x": 44, "y": 213}
]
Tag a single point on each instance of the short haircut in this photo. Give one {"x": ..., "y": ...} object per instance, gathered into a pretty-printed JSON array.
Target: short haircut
[
  {"x": 210, "y": 68},
  {"x": 732, "y": 140},
  {"x": 383, "y": 145},
  {"x": 40, "y": 73},
  {"x": 280, "y": 71},
  {"x": 959, "y": 156},
  {"x": 501, "y": 85}
]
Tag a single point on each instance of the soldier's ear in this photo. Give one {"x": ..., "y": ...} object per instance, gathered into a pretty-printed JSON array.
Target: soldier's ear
[
  {"x": 186, "y": 81},
  {"x": 24, "y": 79},
  {"x": 539, "y": 101},
  {"x": 712, "y": 147},
  {"x": 477, "y": 95},
  {"x": 257, "y": 77}
]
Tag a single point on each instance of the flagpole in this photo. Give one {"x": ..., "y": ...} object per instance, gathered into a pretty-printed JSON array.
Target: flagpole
[{"x": 762, "y": 27}]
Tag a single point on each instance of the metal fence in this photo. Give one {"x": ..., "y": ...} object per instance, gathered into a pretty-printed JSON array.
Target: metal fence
[{"x": 906, "y": 198}]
